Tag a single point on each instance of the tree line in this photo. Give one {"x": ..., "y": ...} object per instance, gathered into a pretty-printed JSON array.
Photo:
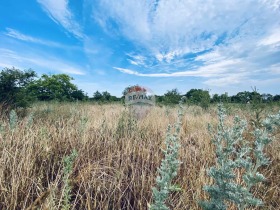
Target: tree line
[{"x": 20, "y": 88}]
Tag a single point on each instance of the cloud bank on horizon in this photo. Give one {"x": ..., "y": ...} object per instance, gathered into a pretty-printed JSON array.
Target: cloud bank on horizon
[{"x": 212, "y": 44}]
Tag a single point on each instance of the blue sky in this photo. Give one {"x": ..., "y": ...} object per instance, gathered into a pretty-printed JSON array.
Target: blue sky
[{"x": 221, "y": 46}]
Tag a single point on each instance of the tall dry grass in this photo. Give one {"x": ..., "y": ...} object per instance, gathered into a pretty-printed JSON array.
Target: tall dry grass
[{"x": 117, "y": 158}]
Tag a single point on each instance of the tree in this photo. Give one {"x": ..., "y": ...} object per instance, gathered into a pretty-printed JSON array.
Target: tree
[
  {"x": 13, "y": 87},
  {"x": 199, "y": 97},
  {"x": 172, "y": 97},
  {"x": 216, "y": 98},
  {"x": 242, "y": 97},
  {"x": 79, "y": 95},
  {"x": 267, "y": 98},
  {"x": 97, "y": 96},
  {"x": 276, "y": 98},
  {"x": 106, "y": 96},
  {"x": 225, "y": 98},
  {"x": 55, "y": 87}
]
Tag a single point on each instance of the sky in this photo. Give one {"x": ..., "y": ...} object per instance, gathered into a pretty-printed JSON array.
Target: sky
[{"x": 106, "y": 45}]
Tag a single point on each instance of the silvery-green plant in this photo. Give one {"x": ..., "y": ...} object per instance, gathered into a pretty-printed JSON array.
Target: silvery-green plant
[
  {"x": 83, "y": 123},
  {"x": 234, "y": 152},
  {"x": 68, "y": 163},
  {"x": 169, "y": 166},
  {"x": 126, "y": 125},
  {"x": 1, "y": 129},
  {"x": 13, "y": 119},
  {"x": 30, "y": 119}
]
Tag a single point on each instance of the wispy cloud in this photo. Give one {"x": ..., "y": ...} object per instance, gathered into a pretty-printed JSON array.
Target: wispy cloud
[
  {"x": 220, "y": 40},
  {"x": 217, "y": 69},
  {"x": 17, "y": 35},
  {"x": 20, "y": 36},
  {"x": 58, "y": 11},
  {"x": 10, "y": 58},
  {"x": 272, "y": 39},
  {"x": 172, "y": 28},
  {"x": 27, "y": 38}
]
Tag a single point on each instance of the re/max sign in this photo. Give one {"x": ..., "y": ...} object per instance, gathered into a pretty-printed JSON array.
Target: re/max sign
[{"x": 139, "y": 97}]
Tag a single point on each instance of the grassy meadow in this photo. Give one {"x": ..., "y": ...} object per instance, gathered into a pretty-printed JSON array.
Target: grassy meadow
[{"x": 117, "y": 157}]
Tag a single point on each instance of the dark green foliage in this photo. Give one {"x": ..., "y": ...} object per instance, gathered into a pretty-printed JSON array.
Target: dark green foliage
[
  {"x": 246, "y": 97},
  {"x": 223, "y": 98},
  {"x": 97, "y": 96},
  {"x": 172, "y": 97},
  {"x": 276, "y": 98},
  {"x": 104, "y": 97},
  {"x": 79, "y": 95},
  {"x": 56, "y": 87},
  {"x": 13, "y": 87},
  {"x": 257, "y": 106},
  {"x": 267, "y": 98},
  {"x": 199, "y": 97}
]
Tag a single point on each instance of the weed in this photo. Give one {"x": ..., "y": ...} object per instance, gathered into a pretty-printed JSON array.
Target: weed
[
  {"x": 234, "y": 153},
  {"x": 13, "y": 119},
  {"x": 68, "y": 162},
  {"x": 169, "y": 166}
]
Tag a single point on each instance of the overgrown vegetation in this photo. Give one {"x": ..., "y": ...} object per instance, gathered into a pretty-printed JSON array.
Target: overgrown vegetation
[
  {"x": 21, "y": 88},
  {"x": 119, "y": 155},
  {"x": 115, "y": 169}
]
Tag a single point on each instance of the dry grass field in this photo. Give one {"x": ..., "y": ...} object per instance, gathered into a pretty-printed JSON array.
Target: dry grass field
[{"x": 117, "y": 159}]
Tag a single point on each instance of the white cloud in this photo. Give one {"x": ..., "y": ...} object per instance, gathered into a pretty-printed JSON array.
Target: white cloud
[
  {"x": 224, "y": 42},
  {"x": 212, "y": 70},
  {"x": 272, "y": 39},
  {"x": 173, "y": 28},
  {"x": 9, "y": 58},
  {"x": 137, "y": 60},
  {"x": 23, "y": 37},
  {"x": 58, "y": 11},
  {"x": 211, "y": 57},
  {"x": 231, "y": 79},
  {"x": 17, "y": 35},
  {"x": 274, "y": 69}
]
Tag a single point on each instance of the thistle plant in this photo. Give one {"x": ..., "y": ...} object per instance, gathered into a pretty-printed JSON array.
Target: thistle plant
[
  {"x": 30, "y": 119},
  {"x": 68, "y": 162},
  {"x": 169, "y": 166},
  {"x": 83, "y": 122},
  {"x": 1, "y": 129},
  {"x": 235, "y": 153},
  {"x": 13, "y": 119}
]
